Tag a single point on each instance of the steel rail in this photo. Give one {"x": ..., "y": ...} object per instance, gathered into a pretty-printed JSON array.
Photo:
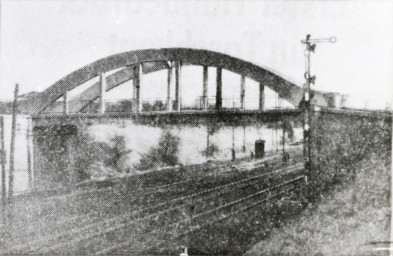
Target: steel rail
[
  {"x": 154, "y": 190},
  {"x": 124, "y": 216},
  {"x": 108, "y": 250}
]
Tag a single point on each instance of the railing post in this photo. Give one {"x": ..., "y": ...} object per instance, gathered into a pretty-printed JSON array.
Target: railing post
[
  {"x": 242, "y": 91},
  {"x": 205, "y": 87},
  {"x": 219, "y": 89},
  {"x": 102, "y": 93}
]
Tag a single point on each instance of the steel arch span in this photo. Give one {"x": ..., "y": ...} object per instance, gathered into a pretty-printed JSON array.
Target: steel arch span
[{"x": 157, "y": 59}]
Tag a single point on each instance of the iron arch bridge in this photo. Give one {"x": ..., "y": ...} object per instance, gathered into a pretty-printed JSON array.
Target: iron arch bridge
[{"x": 134, "y": 64}]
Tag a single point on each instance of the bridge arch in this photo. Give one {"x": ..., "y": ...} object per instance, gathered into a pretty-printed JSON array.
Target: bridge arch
[{"x": 156, "y": 59}]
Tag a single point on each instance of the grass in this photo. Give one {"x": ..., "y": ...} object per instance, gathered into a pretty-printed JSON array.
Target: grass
[{"x": 345, "y": 221}]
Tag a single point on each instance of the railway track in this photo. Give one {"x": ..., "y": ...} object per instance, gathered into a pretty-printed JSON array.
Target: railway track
[
  {"x": 273, "y": 159},
  {"x": 112, "y": 224},
  {"x": 81, "y": 205},
  {"x": 84, "y": 226},
  {"x": 158, "y": 245},
  {"x": 205, "y": 220}
]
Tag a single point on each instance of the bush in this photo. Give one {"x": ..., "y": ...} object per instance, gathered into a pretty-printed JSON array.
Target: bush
[
  {"x": 165, "y": 154},
  {"x": 211, "y": 150},
  {"x": 89, "y": 154}
]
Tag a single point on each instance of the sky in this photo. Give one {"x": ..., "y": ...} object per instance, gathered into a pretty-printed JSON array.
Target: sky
[{"x": 42, "y": 41}]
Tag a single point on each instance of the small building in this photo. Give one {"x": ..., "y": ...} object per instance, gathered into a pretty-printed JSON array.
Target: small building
[{"x": 336, "y": 100}]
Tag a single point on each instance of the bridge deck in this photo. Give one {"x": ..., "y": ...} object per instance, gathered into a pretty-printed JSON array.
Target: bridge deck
[
  {"x": 181, "y": 117},
  {"x": 171, "y": 113},
  {"x": 233, "y": 116},
  {"x": 229, "y": 112}
]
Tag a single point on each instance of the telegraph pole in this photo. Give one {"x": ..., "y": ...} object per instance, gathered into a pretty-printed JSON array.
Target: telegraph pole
[
  {"x": 12, "y": 149},
  {"x": 310, "y": 47}
]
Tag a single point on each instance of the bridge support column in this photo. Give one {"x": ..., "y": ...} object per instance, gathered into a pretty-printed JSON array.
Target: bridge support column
[
  {"x": 205, "y": 103},
  {"x": 261, "y": 96},
  {"x": 219, "y": 89},
  {"x": 65, "y": 103},
  {"x": 242, "y": 92},
  {"x": 102, "y": 93},
  {"x": 169, "y": 85},
  {"x": 178, "y": 85},
  {"x": 137, "y": 88}
]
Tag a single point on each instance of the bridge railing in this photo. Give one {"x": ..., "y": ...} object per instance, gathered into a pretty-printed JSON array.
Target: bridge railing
[
  {"x": 227, "y": 103},
  {"x": 148, "y": 105}
]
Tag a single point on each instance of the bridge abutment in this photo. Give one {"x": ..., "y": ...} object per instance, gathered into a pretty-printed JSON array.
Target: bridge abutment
[{"x": 53, "y": 162}]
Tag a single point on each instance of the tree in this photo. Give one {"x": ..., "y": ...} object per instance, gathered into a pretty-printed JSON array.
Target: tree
[{"x": 166, "y": 152}]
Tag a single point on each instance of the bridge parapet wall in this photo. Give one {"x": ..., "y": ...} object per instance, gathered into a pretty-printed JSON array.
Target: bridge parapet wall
[{"x": 163, "y": 118}]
